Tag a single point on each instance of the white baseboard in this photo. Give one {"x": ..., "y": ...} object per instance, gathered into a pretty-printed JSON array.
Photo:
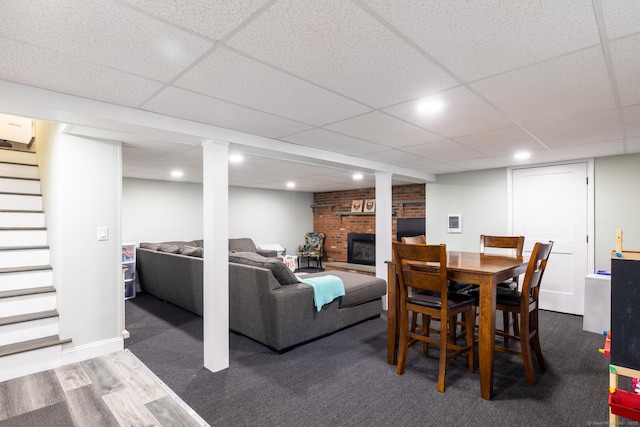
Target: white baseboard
[{"x": 89, "y": 351}]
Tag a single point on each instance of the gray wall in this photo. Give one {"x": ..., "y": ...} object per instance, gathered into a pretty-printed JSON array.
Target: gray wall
[
  {"x": 481, "y": 198},
  {"x": 617, "y": 205},
  {"x": 155, "y": 211}
]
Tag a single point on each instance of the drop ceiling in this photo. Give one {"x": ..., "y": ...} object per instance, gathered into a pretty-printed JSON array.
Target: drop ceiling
[{"x": 556, "y": 78}]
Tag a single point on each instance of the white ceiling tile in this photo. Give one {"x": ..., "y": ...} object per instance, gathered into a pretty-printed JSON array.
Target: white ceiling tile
[
  {"x": 332, "y": 141},
  {"x": 500, "y": 142},
  {"x": 442, "y": 168},
  {"x": 485, "y": 37},
  {"x": 445, "y": 150},
  {"x": 229, "y": 76},
  {"x": 383, "y": 129},
  {"x": 106, "y": 33},
  {"x": 537, "y": 157},
  {"x": 338, "y": 46},
  {"x": 621, "y": 17},
  {"x": 180, "y": 103},
  {"x": 583, "y": 129},
  {"x": 135, "y": 156},
  {"x": 211, "y": 19},
  {"x": 24, "y": 64},
  {"x": 395, "y": 157},
  {"x": 547, "y": 91},
  {"x": 599, "y": 149},
  {"x": 632, "y": 120},
  {"x": 633, "y": 145},
  {"x": 463, "y": 113},
  {"x": 626, "y": 59},
  {"x": 479, "y": 164}
]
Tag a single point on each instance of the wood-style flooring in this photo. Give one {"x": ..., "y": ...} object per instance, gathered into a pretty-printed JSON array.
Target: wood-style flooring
[{"x": 112, "y": 390}]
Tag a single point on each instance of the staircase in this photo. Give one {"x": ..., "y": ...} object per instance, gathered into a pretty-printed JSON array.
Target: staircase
[{"x": 29, "y": 340}]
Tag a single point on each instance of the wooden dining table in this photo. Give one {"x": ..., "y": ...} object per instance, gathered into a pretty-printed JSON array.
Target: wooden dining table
[{"x": 485, "y": 270}]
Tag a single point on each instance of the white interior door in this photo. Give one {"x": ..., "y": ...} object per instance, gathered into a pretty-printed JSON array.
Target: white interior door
[{"x": 550, "y": 203}]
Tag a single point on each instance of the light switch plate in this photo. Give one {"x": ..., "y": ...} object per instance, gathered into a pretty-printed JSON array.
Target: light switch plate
[{"x": 103, "y": 233}]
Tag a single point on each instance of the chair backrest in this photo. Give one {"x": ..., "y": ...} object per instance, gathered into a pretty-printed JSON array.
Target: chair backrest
[
  {"x": 314, "y": 243},
  {"x": 413, "y": 272},
  {"x": 535, "y": 271},
  {"x": 415, "y": 240},
  {"x": 502, "y": 242}
]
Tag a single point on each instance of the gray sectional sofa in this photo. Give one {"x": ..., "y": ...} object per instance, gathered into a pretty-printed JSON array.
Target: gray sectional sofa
[{"x": 266, "y": 301}]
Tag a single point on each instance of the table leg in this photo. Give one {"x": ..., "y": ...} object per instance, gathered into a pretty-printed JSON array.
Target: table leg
[{"x": 486, "y": 339}]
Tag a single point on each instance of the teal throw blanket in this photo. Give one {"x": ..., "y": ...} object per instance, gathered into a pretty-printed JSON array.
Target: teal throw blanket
[{"x": 325, "y": 288}]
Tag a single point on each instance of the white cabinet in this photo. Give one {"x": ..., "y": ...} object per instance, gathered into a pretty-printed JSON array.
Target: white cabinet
[
  {"x": 597, "y": 303},
  {"x": 129, "y": 269}
]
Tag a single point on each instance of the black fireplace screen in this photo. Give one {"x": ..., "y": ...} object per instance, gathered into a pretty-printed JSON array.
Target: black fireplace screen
[{"x": 361, "y": 248}]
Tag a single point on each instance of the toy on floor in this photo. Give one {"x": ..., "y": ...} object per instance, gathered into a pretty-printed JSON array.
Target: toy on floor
[{"x": 607, "y": 344}]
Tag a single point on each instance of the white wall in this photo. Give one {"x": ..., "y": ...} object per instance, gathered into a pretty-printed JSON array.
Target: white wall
[
  {"x": 81, "y": 187},
  {"x": 160, "y": 211},
  {"x": 479, "y": 196},
  {"x": 156, "y": 211}
]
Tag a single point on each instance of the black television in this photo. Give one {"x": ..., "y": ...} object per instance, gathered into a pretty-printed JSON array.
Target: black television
[{"x": 407, "y": 227}]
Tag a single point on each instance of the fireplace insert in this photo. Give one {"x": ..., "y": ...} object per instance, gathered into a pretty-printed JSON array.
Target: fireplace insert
[{"x": 361, "y": 248}]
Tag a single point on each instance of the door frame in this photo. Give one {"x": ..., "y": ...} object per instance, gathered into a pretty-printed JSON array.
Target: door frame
[{"x": 590, "y": 203}]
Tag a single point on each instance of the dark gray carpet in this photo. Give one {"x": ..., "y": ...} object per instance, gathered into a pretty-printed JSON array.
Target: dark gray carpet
[{"x": 344, "y": 379}]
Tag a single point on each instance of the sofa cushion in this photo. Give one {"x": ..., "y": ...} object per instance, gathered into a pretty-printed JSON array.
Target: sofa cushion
[
  {"x": 172, "y": 249},
  {"x": 150, "y": 246},
  {"x": 280, "y": 271},
  {"x": 191, "y": 251},
  {"x": 359, "y": 288}
]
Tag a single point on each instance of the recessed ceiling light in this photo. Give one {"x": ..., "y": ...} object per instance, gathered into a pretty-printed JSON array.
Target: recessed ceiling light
[
  {"x": 291, "y": 184},
  {"x": 236, "y": 158},
  {"x": 357, "y": 176},
  {"x": 522, "y": 155},
  {"x": 177, "y": 173},
  {"x": 430, "y": 106}
]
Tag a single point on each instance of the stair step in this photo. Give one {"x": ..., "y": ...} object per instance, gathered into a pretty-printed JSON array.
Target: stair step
[
  {"x": 25, "y": 277},
  {"x": 28, "y": 317},
  {"x": 21, "y": 218},
  {"x": 20, "y": 202},
  {"x": 18, "y": 157},
  {"x": 34, "y": 302},
  {"x": 23, "y": 236},
  {"x": 21, "y": 347},
  {"x": 19, "y": 185},
  {"x": 28, "y": 326},
  {"x": 23, "y": 256},
  {"x": 17, "y": 170},
  {"x": 26, "y": 291}
]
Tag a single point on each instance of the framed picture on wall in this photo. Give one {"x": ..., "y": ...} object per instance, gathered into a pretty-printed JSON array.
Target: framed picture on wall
[
  {"x": 369, "y": 205},
  {"x": 356, "y": 206}
]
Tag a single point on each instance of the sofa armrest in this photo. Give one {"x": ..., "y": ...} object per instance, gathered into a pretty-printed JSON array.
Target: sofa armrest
[{"x": 267, "y": 253}]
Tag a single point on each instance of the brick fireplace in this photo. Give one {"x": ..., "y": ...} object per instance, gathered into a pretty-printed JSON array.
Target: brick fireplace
[{"x": 332, "y": 215}]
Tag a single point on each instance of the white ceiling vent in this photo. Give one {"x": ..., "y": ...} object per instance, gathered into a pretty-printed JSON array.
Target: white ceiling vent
[{"x": 16, "y": 129}]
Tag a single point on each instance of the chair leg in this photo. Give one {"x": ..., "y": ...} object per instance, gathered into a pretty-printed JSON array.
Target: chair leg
[
  {"x": 442, "y": 360},
  {"x": 536, "y": 341},
  {"x": 525, "y": 349},
  {"x": 505, "y": 327},
  {"x": 404, "y": 342},
  {"x": 426, "y": 327},
  {"x": 470, "y": 318}
]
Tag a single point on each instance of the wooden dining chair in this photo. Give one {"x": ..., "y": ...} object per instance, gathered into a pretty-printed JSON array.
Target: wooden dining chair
[
  {"x": 415, "y": 240},
  {"x": 515, "y": 243},
  {"x": 524, "y": 305},
  {"x": 423, "y": 290}
]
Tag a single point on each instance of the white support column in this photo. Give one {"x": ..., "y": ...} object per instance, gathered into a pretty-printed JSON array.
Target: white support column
[
  {"x": 384, "y": 206},
  {"x": 215, "y": 198}
]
